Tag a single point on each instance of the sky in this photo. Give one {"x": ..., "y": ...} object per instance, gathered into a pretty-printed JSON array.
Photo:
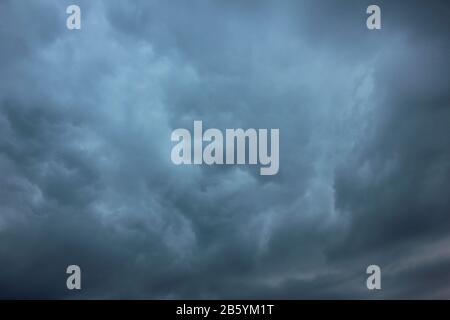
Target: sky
[{"x": 86, "y": 176}]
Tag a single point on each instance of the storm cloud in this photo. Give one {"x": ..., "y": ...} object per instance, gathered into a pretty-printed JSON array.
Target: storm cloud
[{"x": 86, "y": 176}]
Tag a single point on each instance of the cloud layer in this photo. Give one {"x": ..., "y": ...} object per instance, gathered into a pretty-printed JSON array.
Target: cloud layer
[{"x": 85, "y": 123}]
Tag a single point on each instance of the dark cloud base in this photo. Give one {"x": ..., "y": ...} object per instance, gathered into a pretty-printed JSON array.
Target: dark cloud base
[{"x": 86, "y": 176}]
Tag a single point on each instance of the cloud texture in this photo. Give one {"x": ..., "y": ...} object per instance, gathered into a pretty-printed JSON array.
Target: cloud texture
[{"x": 86, "y": 176}]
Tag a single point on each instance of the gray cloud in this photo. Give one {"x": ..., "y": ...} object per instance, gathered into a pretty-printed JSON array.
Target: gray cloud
[{"x": 86, "y": 118}]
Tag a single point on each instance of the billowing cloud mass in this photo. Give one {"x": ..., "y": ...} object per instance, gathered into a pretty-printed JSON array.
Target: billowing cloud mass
[{"x": 86, "y": 175}]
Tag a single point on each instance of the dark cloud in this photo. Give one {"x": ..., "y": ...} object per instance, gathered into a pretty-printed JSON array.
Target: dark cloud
[{"x": 85, "y": 123}]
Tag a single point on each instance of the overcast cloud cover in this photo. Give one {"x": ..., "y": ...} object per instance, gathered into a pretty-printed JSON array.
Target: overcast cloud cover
[{"x": 86, "y": 175}]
